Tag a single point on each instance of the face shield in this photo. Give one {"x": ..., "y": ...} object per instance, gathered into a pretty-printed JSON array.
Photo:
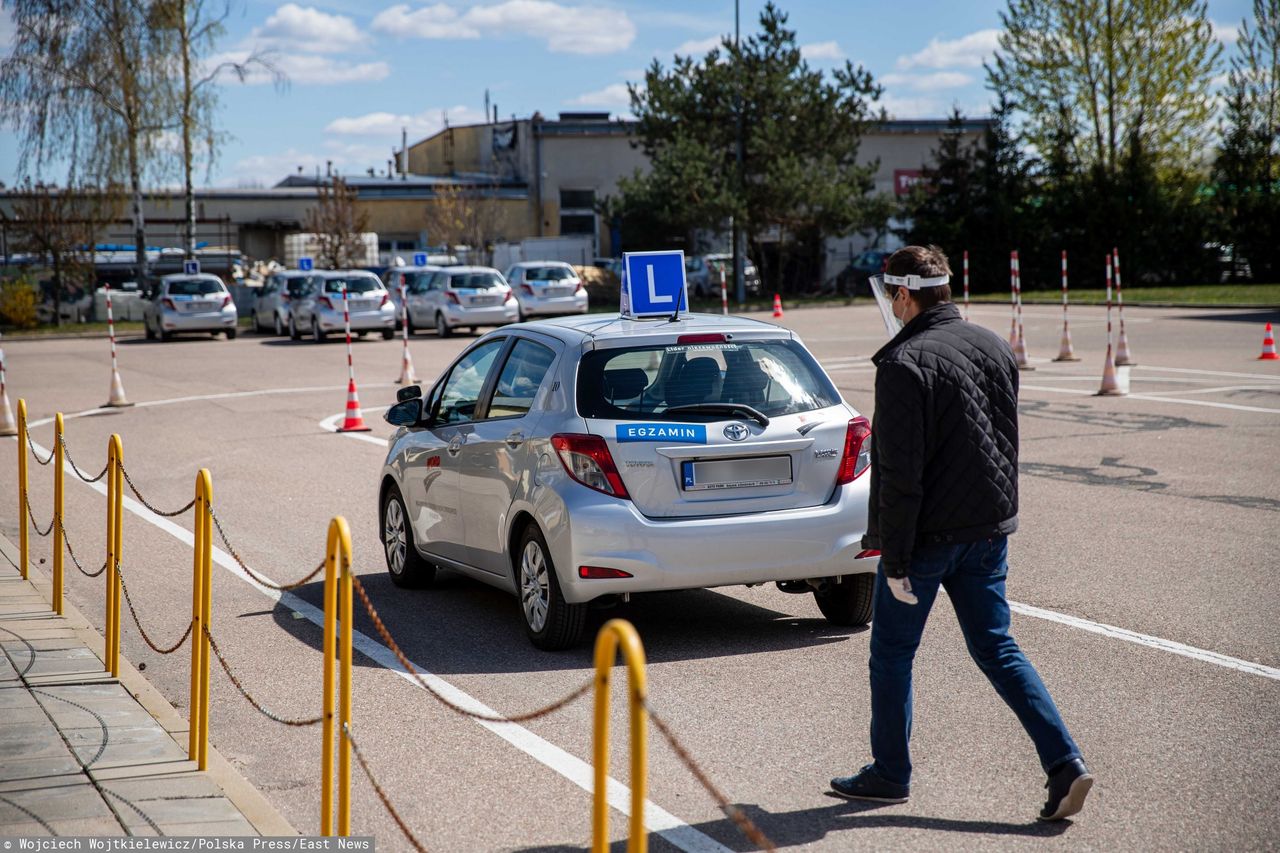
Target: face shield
[{"x": 880, "y": 285}]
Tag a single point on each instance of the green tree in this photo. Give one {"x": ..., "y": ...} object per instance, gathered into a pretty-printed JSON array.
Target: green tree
[
  {"x": 1247, "y": 168},
  {"x": 801, "y": 133}
]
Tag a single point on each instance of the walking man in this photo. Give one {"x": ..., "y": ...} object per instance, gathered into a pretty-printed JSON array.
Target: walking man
[{"x": 944, "y": 498}]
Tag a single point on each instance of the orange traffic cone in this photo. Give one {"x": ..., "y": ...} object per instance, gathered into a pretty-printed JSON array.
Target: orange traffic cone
[
  {"x": 354, "y": 421},
  {"x": 1110, "y": 385},
  {"x": 1268, "y": 352},
  {"x": 777, "y": 306}
]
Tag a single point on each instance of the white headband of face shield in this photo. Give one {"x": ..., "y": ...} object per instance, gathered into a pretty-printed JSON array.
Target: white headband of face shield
[{"x": 915, "y": 282}]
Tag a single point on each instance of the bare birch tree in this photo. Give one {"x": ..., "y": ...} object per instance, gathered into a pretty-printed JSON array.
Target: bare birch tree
[
  {"x": 464, "y": 216},
  {"x": 337, "y": 223}
]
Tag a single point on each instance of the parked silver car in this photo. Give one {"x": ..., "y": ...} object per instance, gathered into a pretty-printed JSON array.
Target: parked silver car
[
  {"x": 274, "y": 305},
  {"x": 582, "y": 458},
  {"x": 448, "y": 298},
  {"x": 320, "y": 310},
  {"x": 189, "y": 303},
  {"x": 702, "y": 272},
  {"x": 547, "y": 289},
  {"x": 416, "y": 281}
]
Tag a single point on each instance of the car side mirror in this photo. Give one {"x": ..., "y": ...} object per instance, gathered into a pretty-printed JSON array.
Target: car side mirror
[
  {"x": 409, "y": 392},
  {"x": 404, "y": 414}
]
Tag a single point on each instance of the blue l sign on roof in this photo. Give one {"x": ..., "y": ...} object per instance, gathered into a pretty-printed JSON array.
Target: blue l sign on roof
[
  {"x": 653, "y": 284},
  {"x": 420, "y": 259},
  {"x": 304, "y": 264},
  {"x": 191, "y": 267}
]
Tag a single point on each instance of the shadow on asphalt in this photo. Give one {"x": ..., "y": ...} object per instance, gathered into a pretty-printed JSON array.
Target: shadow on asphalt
[
  {"x": 807, "y": 826},
  {"x": 460, "y": 626},
  {"x": 188, "y": 338},
  {"x": 1258, "y": 317}
]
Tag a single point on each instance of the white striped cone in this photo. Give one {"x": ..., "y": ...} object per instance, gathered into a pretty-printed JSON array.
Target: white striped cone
[
  {"x": 354, "y": 421},
  {"x": 1123, "y": 354},
  {"x": 1020, "y": 351},
  {"x": 8, "y": 426},
  {"x": 407, "y": 376},
  {"x": 1065, "y": 350},
  {"x": 1268, "y": 346},
  {"x": 116, "y": 399},
  {"x": 1110, "y": 385}
]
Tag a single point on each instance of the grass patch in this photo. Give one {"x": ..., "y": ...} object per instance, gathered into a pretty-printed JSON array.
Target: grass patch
[{"x": 1212, "y": 295}]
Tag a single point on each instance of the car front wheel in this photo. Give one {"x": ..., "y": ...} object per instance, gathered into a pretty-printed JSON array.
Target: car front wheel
[
  {"x": 294, "y": 334},
  {"x": 442, "y": 327},
  {"x": 316, "y": 335},
  {"x": 405, "y": 565},
  {"x": 279, "y": 328},
  {"x": 847, "y": 601},
  {"x": 551, "y": 622}
]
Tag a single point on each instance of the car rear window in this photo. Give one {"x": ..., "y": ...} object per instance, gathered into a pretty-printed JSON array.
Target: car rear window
[
  {"x": 776, "y": 377},
  {"x": 300, "y": 285},
  {"x": 475, "y": 280},
  {"x": 195, "y": 287},
  {"x": 548, "y": 273},
  {"x": 354, "y": 285}
]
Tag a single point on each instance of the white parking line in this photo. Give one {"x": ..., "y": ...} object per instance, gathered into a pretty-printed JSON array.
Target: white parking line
[
  {"x": 1209, "y": 403},
  {"x": 330, "y": 424}
]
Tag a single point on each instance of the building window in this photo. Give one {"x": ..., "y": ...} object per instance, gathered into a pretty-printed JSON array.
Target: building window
[
  {"x": 578, "y": 200},
  {"x": 578, "y": 223}
]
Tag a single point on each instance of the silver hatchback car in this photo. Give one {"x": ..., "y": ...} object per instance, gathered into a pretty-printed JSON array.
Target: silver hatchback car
[
  {"x": 189, "y": 303},
  {"x": 585, "y": 458}
]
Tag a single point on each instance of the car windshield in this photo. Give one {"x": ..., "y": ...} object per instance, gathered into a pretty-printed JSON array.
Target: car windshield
[
  {"x": 475, "y": 280},
  {"x": 775, "y": 377},
  {"x": 548, "y": 273},
  {"x": 194, "y": 287},
  {"x": 354, "y": 285}
]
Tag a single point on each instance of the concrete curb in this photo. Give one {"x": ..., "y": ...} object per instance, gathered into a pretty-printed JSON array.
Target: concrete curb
[{"x": 256, "y": 808}]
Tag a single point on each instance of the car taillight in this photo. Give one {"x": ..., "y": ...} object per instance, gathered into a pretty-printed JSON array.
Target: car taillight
[
  {"x": 226, "y": 300},
  {"x": 452, "y": 297},
  {"x": 284, "y": 297},
  {"x": 857, "y": 451},
  {"x": 701, "y": 339},
  {"x": 168, "y": 303},
  {"x": 324, "y": 300},
  {"x": 386, "y": 297},
  {"x": 601, "y": 573},
  {"x": 581, "y": 288},
  {"x": 510, "y": 297},
  {"x": 586, "y": 458},
  {"x": 527, "y": 288}
]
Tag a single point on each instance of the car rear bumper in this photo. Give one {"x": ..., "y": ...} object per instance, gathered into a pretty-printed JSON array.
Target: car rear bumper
[
  {"x": 554, "y": 305},
  {"x": 495, "y": 315},
  {"x": 694, "y": 553},
  {"x": 363, "y": 321},
  {"x": 205, "y": 321}
]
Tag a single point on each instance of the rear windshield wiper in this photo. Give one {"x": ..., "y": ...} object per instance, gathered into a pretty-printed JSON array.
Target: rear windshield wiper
[{"x": 724, "y": 408}]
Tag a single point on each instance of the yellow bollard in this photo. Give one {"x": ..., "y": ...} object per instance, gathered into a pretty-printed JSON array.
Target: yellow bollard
[
  {"x": 24, "y": 547},
  {"x": 615, "y": 633},
  {"x": 115, "y": 535},
  {"x": 57, "y": 513},
  {"x": 201, "y": 614},
  {"x": 337, "y": 589}
]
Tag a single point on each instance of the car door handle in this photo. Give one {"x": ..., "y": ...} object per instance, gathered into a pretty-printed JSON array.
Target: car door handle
[{"x": 515, "y": 439}]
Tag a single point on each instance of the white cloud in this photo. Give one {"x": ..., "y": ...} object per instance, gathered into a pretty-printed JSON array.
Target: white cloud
[
  {"x": 268, "y": 169},
  {"x": 1225, "y": 33},
  {"x": 567, "y": 29},
  {"x": 698, "y": 48},
  {"x": 965, "y": 52},
  {"x": 822, "y": 50},
  {"x": 927, "y": 82},
  {"x": 308, "y": 69},
  {"x": 308, "y": 29},
  {"x": 913, "y": 107},
  {"x": 388, "y": 125},
  {"x": 613, "y": 95}
]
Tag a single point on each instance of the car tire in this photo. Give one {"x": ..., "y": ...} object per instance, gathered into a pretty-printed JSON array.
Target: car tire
[
  {"x": 317, "y": 336},
  {"x": 151, "y": 333},
  {"x": 405, "y": 565},
  {"x": 848, "y": 601},
  {"x": 294, "y": 334},
  {"x": 471, "y": 330},
  {"x": 279, "y": 327},
  {"x": 442, "y": 327},
  {"x": 165, "y": 336},
  {"x": 231, "y": 334},
  {"x": 388, "y": 334},
  {"x": 550, "y": 622}
]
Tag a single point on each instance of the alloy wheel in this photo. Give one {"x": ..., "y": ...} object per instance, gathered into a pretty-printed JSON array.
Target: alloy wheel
[
  {"x": 535, "y": 586},
  {"x": 393, "y": 537}
]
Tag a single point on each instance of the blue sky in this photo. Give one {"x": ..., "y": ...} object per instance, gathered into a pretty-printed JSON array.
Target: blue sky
[{"x": 359, "y": 71}]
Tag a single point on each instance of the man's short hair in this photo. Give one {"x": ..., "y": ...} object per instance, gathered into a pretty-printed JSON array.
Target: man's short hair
[{"x": 926, "y": 262}]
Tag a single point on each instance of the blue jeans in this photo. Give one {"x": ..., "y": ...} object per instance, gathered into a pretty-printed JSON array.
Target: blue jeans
[{"x": 973, "y": 575}]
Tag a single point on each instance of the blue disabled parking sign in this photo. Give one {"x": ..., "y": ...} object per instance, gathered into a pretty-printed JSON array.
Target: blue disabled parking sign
[
  {"x": 304, "y": 264},
  {"x": 420, "y": 259},
  {"x": 653, "y": 284}
]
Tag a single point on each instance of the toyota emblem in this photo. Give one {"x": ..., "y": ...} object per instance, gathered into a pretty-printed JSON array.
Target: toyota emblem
[{"x": 736, "y": 432}]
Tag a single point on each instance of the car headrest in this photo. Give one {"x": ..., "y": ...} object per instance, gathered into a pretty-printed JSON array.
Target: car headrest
[
  {"x": 625, "y": 383},
  {"x": 694, "y": 383}
]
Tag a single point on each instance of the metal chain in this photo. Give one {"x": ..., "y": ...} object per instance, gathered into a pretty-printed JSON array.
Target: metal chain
[
  {"x": 134, "y": 613},
  {"x": 67, "y": 542},
  {"x": 32, "y": 445},
  {"x": 377, "y": 789},
  {"x": 475, "y": 715},
  {"x": 144, "y": 502},
  {"x": 31, "y": 515},
  {"x": 740, "y": 820},
  {"x": 66, "y": 451},
  {"x": 258, "y": 706},
  {"x": 257, "y": 578}
]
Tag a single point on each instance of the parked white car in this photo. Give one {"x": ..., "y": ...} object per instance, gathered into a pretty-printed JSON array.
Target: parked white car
[
  {"x": 547, "y": 289},
  {"x": 189, "y": 303}
]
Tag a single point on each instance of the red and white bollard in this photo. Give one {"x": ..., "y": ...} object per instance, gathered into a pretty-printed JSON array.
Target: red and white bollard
[
  {"x": 406, "y": 363},
  {"x": 1123, "y": 354},
  {"x": 966, "y": 284},
  {"x": 1065, "y": 351},
  {"x": 9, "y": 426},
  {"x": 1110, "y": 384},
  {"x": 724, "y": 293},
  {"x": 1013, "y": 301},
  {"x": 1020, "y": 348},
  {"x": 115, "y": 398},
  {"x": 354, "y": 420}
]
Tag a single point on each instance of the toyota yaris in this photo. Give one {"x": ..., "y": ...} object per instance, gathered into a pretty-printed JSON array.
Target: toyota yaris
[{"x": 582, "y": 459}]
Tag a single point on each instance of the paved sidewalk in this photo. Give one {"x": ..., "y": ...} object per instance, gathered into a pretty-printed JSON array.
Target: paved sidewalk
[{"x": 82, "y": 753}]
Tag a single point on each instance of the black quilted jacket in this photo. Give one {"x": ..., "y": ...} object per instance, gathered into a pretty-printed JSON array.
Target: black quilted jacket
[{"x": 944, "y": 439}]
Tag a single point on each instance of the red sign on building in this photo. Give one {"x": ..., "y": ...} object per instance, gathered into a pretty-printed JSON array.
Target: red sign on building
[{"x": 905, "y": 179}]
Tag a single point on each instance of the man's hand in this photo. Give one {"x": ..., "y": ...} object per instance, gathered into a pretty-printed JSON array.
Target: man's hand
[{"x": 901, "y": 590}]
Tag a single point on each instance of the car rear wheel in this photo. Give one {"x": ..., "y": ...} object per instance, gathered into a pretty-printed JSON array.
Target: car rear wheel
[
  {"x": 442, "y": 327},
  {"x": 151, "y": 333},
  {"x": 847, "y": 601},
  {"x": 388, "y": 334},
  {"x": 405, "y": 565},
  {"x": 231, "y": 334},
  {"x": 551, "y": 622},
  {"x": 294, "y": 334},
  {"x": 279, "y": 328},
  {"x": 316, "y": 335}
]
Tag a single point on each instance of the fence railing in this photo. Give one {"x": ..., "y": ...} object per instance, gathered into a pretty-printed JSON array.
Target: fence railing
[{"x": 341, "y": 589}]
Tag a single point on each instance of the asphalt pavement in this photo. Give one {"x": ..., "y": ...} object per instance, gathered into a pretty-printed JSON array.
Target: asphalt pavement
[{"x": 1142, "y": 575}]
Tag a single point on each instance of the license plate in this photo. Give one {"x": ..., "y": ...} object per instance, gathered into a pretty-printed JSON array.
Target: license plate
[
  {"x": 195, "y": 307},
  {"x": 559, "y": 291},
  {"x": 484, "y": 300},
  {"x": 744, "y": 473}
]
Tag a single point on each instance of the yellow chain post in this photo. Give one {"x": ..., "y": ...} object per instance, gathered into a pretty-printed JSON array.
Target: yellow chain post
[
  {"x": 338, "y": 591},
  {"x": 620, "y": 633},
  {"x": 204, "y": 512},
  {"x": 24, "y": 547},
  {"x": 197, "y": 623},
  {"x": 115, "y": 537},
  {"x": 57, "y": 513}
]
